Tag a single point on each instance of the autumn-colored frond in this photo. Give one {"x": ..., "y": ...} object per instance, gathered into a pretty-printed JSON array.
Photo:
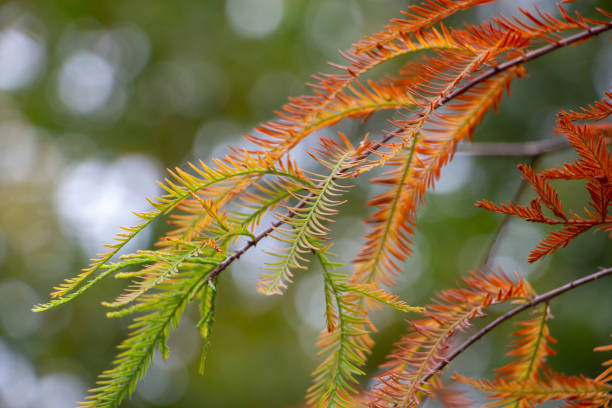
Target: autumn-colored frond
[
  {"x": 546, "y": 193},
  {"x": 594, "y": 164},
  {"x": 427, "y": 340},
  {"x": 597, "y": 111},
  {"x": 417, "y": 17},
  {"x": 557, "y": 239},
  {"x": 530, "y": 348},
  {"x": 543, "y": 25},
  {"x": 304, "y": 115},
  {"x": 388, "y": 242},
  {"x": 606, "y": 375},
  {"x": 575, "y": 391},
  {"x": 336, "y": 97},
  {"x": 595, "y": 161}
]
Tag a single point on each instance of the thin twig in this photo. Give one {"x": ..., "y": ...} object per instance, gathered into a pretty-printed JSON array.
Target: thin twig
[
  {"x": 545, "y": 297},
  {"x": 583, "y": 35},
  {"x": 502, "y": 229},
  {"x": 523, "y": 149}
]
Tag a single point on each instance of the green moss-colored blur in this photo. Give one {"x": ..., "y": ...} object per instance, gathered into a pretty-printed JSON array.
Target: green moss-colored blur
[{"x": 97, "y": 98}]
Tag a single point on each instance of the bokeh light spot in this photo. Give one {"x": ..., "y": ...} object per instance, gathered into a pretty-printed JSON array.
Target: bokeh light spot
[
  {"x": 60, "y": 390},
  {"x": 94, "y": 198},
  {"x": 18, "y": 382},
  {"x": 310, "y": 301},
  {"x": 16, "y": 301},
  {"x": 21, "y": 58},
  {"x": 163, "y": 387},
  {"x": 86, "y": 81},
  {"x": 334, "y": 25},
  {"x": 254, "y": 19},
  {"x": 18, "y": 151},
  {"x": 454, "y": 176}
]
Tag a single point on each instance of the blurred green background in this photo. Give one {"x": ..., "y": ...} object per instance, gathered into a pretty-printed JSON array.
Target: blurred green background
[{"x": 98, "y": 98}]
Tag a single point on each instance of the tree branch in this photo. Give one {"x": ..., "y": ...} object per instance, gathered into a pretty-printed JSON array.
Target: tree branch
[
  {"x": 545, "y": 297},
  {"x": 501, "y": 149},
  {"x": 581, "y": 36},
  {"x": 502, "y": 229}
]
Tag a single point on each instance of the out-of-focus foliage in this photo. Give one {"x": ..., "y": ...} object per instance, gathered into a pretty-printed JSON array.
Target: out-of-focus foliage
[{"x": 96, "y": 98}]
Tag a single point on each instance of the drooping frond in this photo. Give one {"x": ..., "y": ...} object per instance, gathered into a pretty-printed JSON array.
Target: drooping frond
[
  {"x": 162, "y": 311},
  {"x": 530, "y": 348},
  {"x": 304, "y": 229},
  {"x": 175, "y": 274},
  {"x": 179, "y": 188},
  {"x": 336, "y": 98},
  {"x": 426, "y": 343},
  {"x": 346, "y": 341},
  {"x": 208, "y": 295},
  {"x": 594, "y": 165},
  {"x": 575, "y": 391},
  {"x": 345, "y": 344},
  {"x": 388, "y": 241},
  {"x": 306, "y": 114}
]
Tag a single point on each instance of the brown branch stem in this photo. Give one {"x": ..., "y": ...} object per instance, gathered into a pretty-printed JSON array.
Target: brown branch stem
[
  {"x": 545, "y": 297},
  {"x": 513, "y": 149},
  {"x": 583, "y": 35},
  {"x": 502, "y": 229}
]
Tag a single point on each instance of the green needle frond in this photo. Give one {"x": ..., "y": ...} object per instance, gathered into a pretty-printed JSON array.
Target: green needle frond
[
  {"x": 379, "y": 295},
  {"x": 108, "y": 269},
  {"x": 208, "y": 296},
  {"x": 344, "y": 343},
  {"x": 162, "y": 311},
  {"x": 166, "y": 264},
  {"x": 179, "y": 188},
  {"x": 304, "y": 227}
]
